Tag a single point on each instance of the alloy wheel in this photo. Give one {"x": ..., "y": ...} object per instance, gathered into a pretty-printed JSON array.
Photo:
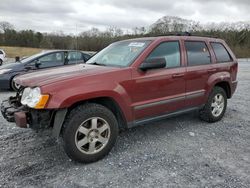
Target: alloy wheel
[
  {"x": 92, "y": 135},
  {"x": 218, "y": 105}
]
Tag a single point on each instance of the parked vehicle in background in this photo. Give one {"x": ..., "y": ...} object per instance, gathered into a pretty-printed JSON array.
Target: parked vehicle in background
[
  {"x": 2, "y": 56},
  {"x": 127, "y": 84},
  {"x": 40, "y": 61}
]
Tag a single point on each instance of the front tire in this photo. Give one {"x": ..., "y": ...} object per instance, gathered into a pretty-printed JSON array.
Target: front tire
[
  {"x": 14, "y": 86},
  {"x": 1, "y": 62},
  {"x": 90, "y": 131},
  {"x": 215, "y": 107}
]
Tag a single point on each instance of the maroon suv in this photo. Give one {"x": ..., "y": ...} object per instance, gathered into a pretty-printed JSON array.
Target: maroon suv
[{"x": 128, "y": 83}]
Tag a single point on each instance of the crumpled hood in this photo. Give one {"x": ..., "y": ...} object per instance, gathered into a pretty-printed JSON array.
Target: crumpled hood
[{"x": 48, "y": 76}]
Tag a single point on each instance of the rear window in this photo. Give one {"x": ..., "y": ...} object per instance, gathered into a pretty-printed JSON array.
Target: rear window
[
  {"x": 221, "y": 53},
  {"x": 197, "y": 53}
]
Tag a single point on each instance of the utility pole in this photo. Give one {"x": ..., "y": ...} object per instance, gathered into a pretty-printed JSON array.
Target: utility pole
[{"x": 76, "y": 37}]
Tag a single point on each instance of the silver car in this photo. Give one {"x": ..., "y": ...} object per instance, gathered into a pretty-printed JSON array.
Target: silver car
[{"x": 2, "y": 56}]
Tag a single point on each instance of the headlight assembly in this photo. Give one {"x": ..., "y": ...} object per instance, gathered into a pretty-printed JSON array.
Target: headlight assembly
[{"x": 33, "y": 98}]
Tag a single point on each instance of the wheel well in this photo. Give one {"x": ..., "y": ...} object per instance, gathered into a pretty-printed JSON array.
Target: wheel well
[
  {"x": 109, "y": 103},
  {"x": 225, "y": 85},
  {"x": 11, "y": 80}
]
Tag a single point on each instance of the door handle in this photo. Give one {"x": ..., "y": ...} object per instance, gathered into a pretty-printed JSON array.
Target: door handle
[
  {"x": 211, "y": 70},
  {"x": 177, "y": 75}
]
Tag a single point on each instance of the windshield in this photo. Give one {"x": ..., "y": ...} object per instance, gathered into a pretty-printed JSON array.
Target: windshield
[{"x": 120, "y": 54}]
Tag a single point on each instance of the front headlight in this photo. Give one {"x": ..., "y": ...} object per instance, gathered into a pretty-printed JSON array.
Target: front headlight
[
  {"x": 2, "y": 71},
  {"x": 33, "y": 98}
]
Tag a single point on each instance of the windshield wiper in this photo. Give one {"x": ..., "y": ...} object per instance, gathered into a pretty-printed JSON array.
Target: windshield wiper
[{"x": 95, "y": 63}]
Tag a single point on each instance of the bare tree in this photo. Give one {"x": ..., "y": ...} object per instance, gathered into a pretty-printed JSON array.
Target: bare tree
[{"x": 5, "y": 26}]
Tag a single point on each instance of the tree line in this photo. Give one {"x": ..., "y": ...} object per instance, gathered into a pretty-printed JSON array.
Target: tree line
[{"x": 95, "y": 40}]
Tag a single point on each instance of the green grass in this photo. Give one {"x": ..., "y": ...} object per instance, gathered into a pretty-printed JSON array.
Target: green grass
[{"x": 12, "y": 52}]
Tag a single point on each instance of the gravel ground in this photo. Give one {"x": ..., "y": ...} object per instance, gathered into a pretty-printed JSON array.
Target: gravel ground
[{"x": 178, "y": 152}]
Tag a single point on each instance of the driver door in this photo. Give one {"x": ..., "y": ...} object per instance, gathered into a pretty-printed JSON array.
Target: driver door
[
  {"x": 50, "y": 60},
  {"x": 160, "y": 91}
]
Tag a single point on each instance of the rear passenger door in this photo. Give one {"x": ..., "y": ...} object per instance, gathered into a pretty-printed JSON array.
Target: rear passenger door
[
  {"x": 74, "y": 57},
  {"x": 199, "y": 68}
]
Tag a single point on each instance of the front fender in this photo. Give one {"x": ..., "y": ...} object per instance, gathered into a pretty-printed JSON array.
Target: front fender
[{"x": 69, "y": 96}]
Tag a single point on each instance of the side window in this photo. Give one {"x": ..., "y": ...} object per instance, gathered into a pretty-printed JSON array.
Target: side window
[
  {"x": 51, "y": 60},
  {"x": 197, "y": 53},
  {"x": 170, "y": 51},
  {"x": 1, "y": 52},
  {"x": 221, "y": 53},
  {"x": 86, "y": 56},
  {"x": 75, "y": 57}
]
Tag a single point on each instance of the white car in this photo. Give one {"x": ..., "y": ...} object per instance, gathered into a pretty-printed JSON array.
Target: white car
[{"x": 2, "y": 56}]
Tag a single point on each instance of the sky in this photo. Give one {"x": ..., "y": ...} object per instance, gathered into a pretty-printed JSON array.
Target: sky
[{"x": 75, "y": 16}]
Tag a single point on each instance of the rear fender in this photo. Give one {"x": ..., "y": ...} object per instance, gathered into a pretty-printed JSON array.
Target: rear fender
[{"x": 215, "y": 79}]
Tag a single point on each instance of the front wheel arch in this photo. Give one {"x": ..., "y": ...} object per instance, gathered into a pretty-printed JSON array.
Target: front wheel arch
[
  {"x": 74, "y": 120},
  {"x": 109, "y": 103},
  {"x": 12, "y": 87}
]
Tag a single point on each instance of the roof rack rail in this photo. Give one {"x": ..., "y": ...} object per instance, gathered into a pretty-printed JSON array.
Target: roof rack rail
[
  {"x": 184, "y": 34},
  {"x": 176, "y": 34},
  {"x": 187, "y": 34},
  {"x": 209, "y": 36}
]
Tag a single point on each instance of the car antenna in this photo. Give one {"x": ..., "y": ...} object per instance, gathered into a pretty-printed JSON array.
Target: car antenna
[{"x": 76, "y": 38}]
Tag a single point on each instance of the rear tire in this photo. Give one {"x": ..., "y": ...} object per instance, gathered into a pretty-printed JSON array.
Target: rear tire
[
  {"x": 89, "y": 133},
  {"x": 215, "y": 107}
]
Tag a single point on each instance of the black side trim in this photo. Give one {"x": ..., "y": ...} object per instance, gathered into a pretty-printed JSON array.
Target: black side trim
[
  {"x": 159, "y": 103},
  {"x": 58, "y": 122},
  {"x": 195, "y": 95},
  {"x": 164, "y": 116},
  {"x": 167, "y": 101}
]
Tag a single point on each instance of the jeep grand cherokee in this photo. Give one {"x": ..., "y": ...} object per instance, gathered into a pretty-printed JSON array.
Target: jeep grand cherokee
[{"x": 127, "y": 84}]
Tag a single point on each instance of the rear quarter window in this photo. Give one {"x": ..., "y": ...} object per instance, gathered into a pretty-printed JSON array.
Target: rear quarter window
[{"x": 221, "y": 53}]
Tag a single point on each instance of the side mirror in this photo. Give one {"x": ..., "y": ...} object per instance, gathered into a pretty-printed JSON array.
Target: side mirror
[
  {"x": 27, "y": 68},
  {"x": 37, "y": 64},
  {"x": 153, "y": 63}
]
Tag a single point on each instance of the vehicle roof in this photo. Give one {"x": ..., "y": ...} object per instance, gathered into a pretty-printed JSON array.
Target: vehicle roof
[
  {"x": 59, "y": 50},
  {"x": 63, "y": 50},
  {"x": 176, "y": 37}
]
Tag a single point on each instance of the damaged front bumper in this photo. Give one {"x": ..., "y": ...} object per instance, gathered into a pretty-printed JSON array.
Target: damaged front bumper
[
  {"x": 13, "y": 112},
  {"x": 24, "y": 117}
]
